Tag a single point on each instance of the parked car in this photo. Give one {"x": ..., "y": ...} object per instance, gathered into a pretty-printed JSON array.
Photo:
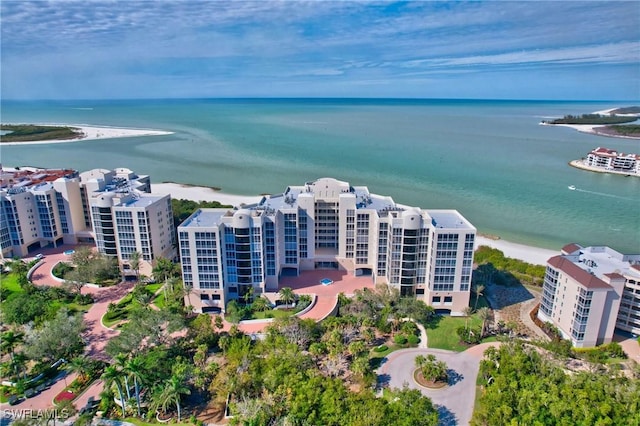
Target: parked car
[
  {"x": 14, "y": 399},
  {"x": 39, "y": 256}
]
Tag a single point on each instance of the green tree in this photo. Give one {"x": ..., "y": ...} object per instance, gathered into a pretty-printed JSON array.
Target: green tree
[
  {"x": 408, "y": 407},
  {"x": 164, "y": 268},
  {"x": 171, "y": 394},
  {"x": 135, "y": 369},
  {"x": 9, "y": 341},
  {"x": 430, "y": 368},
  {"x": 120, "y": 362},
  {"x": 81, "y": 365},
  {"x": 485, "y": 315},
  {"x": 58, "y": 338},
  {"x": 261, "y": 304},
  {"x": 287, "y": 296},
  {"x": 111, "y": 376},
  {"x": 248, "y": 295},
  {"x": 134, "y": 263}
]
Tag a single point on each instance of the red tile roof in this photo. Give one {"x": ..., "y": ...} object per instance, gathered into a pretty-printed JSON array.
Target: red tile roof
[
  {"x": 571, "y": 248},
  {"x": 585, "y": 279},
  {"x": 614, "y": 275}
]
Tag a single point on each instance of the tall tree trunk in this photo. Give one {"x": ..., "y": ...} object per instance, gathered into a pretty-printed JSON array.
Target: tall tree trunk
[
  {"x": 135, "y": 384},
  {"x": 119, "y": 386}
]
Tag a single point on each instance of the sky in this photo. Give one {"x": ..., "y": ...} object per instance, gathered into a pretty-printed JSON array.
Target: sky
[{"x": 566, "y": 50}]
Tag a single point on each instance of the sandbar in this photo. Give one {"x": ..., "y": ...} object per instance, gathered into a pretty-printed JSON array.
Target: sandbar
[
  {"x": 96, "y": 132},
  {"x": 592, "y": 129},
  {"x": 530, "y": 254}
]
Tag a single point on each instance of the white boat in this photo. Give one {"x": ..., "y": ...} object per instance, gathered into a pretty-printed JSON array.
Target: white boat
[{"x": 572, "y": 187}]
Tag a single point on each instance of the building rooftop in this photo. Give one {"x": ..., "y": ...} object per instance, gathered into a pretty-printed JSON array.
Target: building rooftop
[
  {"x": 204, "y": 218},
  {"x": 574, "y": 271},
  {"x": 600, "y": 261},
  {"x": 140, "y": 201},
  {"x": 27, "y": 177},
  {"x": 448, "y": 219}
]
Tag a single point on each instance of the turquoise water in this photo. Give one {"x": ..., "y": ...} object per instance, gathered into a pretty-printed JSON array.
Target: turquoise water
[{"x": 488, "y": 159}]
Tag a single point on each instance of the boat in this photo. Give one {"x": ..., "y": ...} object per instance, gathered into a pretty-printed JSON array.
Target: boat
[{"x": 572, "y": 187}]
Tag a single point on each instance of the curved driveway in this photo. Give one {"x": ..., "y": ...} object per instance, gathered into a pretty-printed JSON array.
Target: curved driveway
[
  {"x": 454, "y": 402},
  {"x": 96, "y": 335},
  {"x": 308, "y": 282}
]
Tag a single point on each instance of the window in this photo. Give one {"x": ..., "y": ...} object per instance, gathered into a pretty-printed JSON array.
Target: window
[{"x": 435, "y": 300}]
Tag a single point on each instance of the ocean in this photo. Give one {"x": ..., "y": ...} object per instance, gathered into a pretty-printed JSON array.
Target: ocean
[{"x": 491, "y": 160}]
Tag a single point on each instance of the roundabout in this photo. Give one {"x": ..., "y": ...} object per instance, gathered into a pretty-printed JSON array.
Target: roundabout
[{"x": 455, "y": 399}]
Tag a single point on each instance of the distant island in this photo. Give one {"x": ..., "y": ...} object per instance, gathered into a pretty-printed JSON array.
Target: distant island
[
  {"x": 14, "y": 134},
  {"x": 32, "y": 132},
  {"x": 603, "y": 123}
]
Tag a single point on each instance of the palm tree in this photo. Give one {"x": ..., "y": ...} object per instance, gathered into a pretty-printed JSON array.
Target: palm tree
[
  {"x": 110, "y": 376},
  {"x": 248, "y": 295},
  {"x": 478, "y": 289},
  {"x": 9, "y": 341},
  {"x": 261, "y": 304},
  {"x": 19, "y": 363},
  {"x": 80, "y": 365},
  {"x": 145, "y": 298},
  {"x": 120, "y": 363},
  {"x": 484, "y": 314},
  {"x": 171, "y": 393},
  {"x": 287, "y": 295},
  {"x": 134, "y": 368},
  {"x": 134, "y": 263},
  {"x": 467, "y": 313}
]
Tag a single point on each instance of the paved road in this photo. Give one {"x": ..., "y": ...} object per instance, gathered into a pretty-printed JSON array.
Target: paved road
[{"x": 454, "y": 402}]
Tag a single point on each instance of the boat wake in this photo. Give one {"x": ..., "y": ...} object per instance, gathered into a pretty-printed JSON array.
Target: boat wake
[{"x": 602, "y": 194}]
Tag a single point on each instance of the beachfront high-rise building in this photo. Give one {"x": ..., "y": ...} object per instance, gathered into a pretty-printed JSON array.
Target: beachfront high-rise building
[
  {"x": 111, "y": 208},
  {"x": 590, "y": 291},
  {"x": 327, "y": 224}
]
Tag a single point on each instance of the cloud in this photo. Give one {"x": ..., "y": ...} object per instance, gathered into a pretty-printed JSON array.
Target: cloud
[{"x": 173, "y": 43}]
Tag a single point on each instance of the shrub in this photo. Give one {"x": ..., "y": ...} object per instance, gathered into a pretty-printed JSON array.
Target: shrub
[
  {"x": 400, "y": 339},
  {"x": 413, "y": 339},
  {"x": 470, "y": 336},
  {"x": 381, "y": 348},
  {"x": 61, "y": 269}
]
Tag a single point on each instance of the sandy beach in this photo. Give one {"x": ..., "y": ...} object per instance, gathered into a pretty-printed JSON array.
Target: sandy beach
[
  {"x": 94, "y": 132},
  {"x": 199, "y": 193},
  {"x": 594, "y": 129},
  {"x": 529, "y": 254}
]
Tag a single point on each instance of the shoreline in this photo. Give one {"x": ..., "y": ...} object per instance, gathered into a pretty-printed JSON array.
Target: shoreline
[
  {"x": 591, "y": 129},
  {"x": 530, "y": 254},
  {"x": 202, "y": 193},
  {"x": 578, "y": 164},
  {"x": 93, "y": 133}
]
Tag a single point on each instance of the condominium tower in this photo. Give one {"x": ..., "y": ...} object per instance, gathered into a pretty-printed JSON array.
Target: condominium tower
[
  {"x": 327, "y": 224},
  {"x": 112, "y": 209},
  {"x": 590, "y": 291}
]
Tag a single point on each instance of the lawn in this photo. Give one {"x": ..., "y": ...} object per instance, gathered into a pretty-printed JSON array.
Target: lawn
[
  {"x": 125, "y": 306},
  {"x": 445, "y": 336},
  {"x": 160, "y": 301},
  {"x": 10, "y": 282},
  {"x": 273, "y": 313}
]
